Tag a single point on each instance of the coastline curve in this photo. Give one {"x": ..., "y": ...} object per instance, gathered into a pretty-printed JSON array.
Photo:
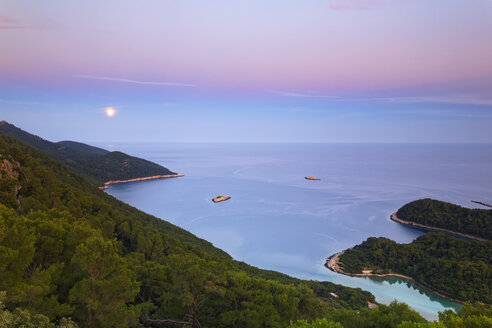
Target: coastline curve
[
  {"x": 333, "y": 264},
  {"x": 153, "y": 177},
  {"x": 395, "y": 218}
]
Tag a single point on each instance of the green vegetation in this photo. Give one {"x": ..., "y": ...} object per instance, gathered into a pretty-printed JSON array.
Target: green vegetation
[
  {"x": 457, "y": 268},
  {"x": 477, "y": 222},
  {"x": 398, "y": 315},
  {"x": 318, "y": 323},
  {"x": 21, "y": 318},
  {"x": 387, "y": 316},
  {"x": 83, "y": 147},
  {"x": 94, "y": 164},
  {"x": 69, "y": 250},
  {"x": 71, "y": 255}
]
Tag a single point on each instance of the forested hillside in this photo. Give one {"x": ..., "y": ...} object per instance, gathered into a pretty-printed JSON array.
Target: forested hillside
[
  {"x": 457, "y": 268},
  {"x": 398, "y": 316},
  {"x": 477, "y": 222},
  {"x": 94, "y": 164},
  {"x": 83, "y": 147},
  {"x": 68, "y": 249}
]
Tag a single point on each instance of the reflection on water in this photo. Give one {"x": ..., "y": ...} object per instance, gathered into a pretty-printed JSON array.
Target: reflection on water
[{"x": 278, "y": 220}]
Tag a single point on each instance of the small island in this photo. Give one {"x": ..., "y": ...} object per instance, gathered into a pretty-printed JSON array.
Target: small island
[
  {"x": 309, "y": 177},
  {"x": 220, "y": 199}
]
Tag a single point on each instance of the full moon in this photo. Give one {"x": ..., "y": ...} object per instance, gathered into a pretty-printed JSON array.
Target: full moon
[{"x": 110, "y": 111}]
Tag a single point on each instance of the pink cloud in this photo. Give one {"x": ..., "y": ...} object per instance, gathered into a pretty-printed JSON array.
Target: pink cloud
[
  {"x": 7, "y": 22},
  {"x": 355, "y": 4},
  {"x": 7, "y": 19}
]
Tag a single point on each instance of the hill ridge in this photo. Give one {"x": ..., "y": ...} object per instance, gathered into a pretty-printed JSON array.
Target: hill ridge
[{"x": 95, "y": 164}]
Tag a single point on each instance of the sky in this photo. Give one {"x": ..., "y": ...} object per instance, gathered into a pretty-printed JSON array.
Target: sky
[{"x": 248, "y": 71}]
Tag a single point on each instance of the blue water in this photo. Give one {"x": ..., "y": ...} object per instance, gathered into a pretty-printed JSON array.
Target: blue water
[{"x": 278, "y": 220}]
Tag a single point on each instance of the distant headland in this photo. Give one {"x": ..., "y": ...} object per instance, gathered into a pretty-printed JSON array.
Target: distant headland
[
  {"x": 95, "y": 164},
  {"x": 437, "y": 229},
  {"x": 431, "y": 214},
  {"x": 333, "y": 263},
  {"x": 144, "y": 178},
  {"x": 481, "y": 203}
]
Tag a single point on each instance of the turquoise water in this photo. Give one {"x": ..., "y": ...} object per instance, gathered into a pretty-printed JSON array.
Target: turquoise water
[{"x": 277, "y": 220}]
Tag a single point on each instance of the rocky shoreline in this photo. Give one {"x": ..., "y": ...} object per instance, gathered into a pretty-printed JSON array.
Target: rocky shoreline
[
  {"x": 422, "y": 226},
  {"x": 144, "y": 179},
  {"x": 481, "y": 203},
  {"x": 333, "y": 264}
]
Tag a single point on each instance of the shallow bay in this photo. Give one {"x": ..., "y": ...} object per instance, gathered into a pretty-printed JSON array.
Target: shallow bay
[{"x": 277, "y": 220}]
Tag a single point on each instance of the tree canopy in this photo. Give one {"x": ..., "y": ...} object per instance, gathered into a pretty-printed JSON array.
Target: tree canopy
[
  {"x": 457, "y": 268},
  {"x": 397, "y": 315},
  {"x": 435, "y": 213},
  {"x": 69, "y": 250}
]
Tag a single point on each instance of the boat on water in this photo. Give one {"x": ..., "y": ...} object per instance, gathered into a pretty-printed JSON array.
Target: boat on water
[{"x": 220, "y": 199}]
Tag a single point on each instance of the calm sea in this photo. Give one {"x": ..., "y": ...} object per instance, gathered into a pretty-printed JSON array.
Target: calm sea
[{"x": 277, "y": 220}]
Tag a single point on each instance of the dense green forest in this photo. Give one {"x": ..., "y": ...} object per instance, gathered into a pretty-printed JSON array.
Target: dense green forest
[
  {"x": 69, "y": 250},
  {"x": 397, "y": 315},
  {"x": 73, "y": 256},
  {"x": 457, "y": 268},
  {"x": 94, "y": 164},
  {"x": 477, "y": 222}
]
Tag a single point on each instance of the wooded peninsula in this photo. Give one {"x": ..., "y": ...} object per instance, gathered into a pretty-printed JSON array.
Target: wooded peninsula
[{"x": 74, "y": 256}]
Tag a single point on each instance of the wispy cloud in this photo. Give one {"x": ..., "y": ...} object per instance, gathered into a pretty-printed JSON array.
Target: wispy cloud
[
  {"x": 298, "y": 110},
  {"x": 355, "y": 4},
  {"x": 114, "y": 79},
  {"x": 448, "y": 113},
  {"x": 306, "y": 95},
  {"x": 18, "y": 102},
  {"x": 11, "y": 23},
  {"x": 458, "y": 99},
  {"x": 453, "y": 99},
  {"x": 7, "y": 19},
  {"x": 329, "y": 112}
]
